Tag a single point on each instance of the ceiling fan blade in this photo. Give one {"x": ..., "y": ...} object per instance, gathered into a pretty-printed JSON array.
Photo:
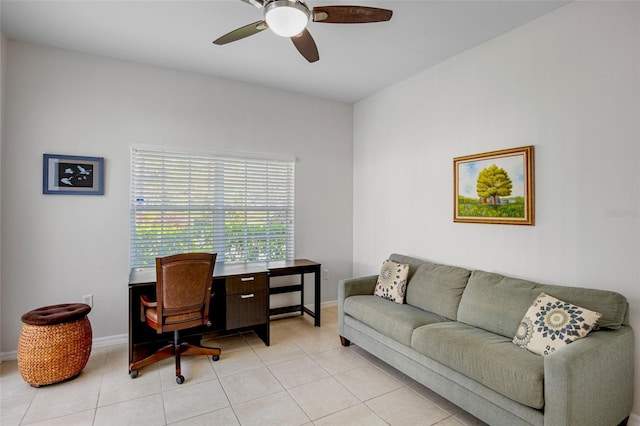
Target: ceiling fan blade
[
  {"x": 350, "y": 14},
  {"x": 242, "y": 32},
  {"x": 306, "y": 45},
  {"x": 257, "y": 3}
]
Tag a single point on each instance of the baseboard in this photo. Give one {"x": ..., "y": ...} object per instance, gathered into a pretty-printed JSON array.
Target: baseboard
[
  {"x": 96, "y": 343},
  {"x": 111, "y": 340},
  {"x": 634, "y": 420},
  {"x": 8, "y": 356}
]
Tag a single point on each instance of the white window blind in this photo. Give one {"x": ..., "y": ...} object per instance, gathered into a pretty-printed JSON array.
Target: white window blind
[{"x": 240, "y": 208}]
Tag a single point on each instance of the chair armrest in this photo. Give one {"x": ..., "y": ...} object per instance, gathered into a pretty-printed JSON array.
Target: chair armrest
[
  {"x": 145, "y": 303},
  {"x": 351, "y": 287},
  {"x": 590, "y": 382}
]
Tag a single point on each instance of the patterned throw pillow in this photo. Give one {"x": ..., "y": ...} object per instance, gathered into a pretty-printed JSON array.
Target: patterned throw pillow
[
  {"x": 551, "y": 324},
  {"x": 392, "y": 281}
]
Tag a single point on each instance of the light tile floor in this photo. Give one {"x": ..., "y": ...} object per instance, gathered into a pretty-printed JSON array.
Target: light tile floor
[{"x": 304, "y": 378}]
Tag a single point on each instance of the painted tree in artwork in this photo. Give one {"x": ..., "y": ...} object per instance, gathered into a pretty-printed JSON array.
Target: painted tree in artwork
[{"x": 493, "y": 182}]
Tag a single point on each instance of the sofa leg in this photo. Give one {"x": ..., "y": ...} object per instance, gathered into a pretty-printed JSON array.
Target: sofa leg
[
  {"x": 344, "y": 341},
  {"x": 624, "y": 422}
]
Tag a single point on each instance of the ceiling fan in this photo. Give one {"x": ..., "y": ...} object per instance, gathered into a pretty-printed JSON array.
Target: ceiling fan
[{"x": 289, "y": 18}]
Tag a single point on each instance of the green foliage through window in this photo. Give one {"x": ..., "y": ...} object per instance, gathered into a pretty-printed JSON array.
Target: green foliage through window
[{"x": 240, "y": 208}]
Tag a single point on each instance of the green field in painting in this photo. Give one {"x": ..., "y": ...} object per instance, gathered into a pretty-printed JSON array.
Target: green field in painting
[{"x": 470, "y": 207}]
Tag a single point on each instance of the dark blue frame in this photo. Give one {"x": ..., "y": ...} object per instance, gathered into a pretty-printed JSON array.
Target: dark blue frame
[{"x": 98, "y": 176}]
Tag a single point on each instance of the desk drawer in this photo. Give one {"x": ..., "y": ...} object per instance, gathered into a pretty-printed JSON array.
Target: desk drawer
[
  {"x": 247, "y": 308},
  {"x": 246, "y": 283}
]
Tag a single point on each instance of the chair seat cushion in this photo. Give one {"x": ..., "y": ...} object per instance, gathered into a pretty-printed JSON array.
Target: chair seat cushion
[
  {"x": 152, "y": 315},
  {"x": 485, "y": 357},
  {"x": 389, "y": 318}
]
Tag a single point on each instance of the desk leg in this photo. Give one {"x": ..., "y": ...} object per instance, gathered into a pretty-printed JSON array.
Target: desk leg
[
  {"x": 317, "y": 296},
  {"x": 131, "y": 319},
  {"x": 262, "y": 331},
  {"x": 302, "y": 294}
]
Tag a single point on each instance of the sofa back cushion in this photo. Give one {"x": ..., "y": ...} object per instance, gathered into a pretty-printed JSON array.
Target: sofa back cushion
[
  {"x": 413, "y": 262},
  {"x": 497, "y": 303},
  {"x": 437, "y": 288}
]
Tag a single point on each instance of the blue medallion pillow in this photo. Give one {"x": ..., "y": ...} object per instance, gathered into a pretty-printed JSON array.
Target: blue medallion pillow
[
  {"x": 392, "y": 281},
  {"x": 551, "y": 324}
]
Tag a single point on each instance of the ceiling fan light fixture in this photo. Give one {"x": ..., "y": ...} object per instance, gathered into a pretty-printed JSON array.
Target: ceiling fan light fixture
[{"x": 286, "y": 18}]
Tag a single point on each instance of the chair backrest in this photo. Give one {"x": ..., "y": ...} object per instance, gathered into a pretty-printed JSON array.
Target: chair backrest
[{"x": 183, "y": 290}]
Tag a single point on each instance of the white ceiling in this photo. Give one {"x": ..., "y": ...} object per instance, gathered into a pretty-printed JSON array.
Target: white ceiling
[{"x": 356, "y": 60}]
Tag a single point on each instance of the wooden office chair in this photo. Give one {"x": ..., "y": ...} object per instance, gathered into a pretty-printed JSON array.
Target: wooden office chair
[{"x": 183, "y": 292}]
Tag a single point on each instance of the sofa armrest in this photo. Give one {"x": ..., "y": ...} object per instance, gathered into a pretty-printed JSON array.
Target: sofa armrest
[
  {"x": 351, "y": 287},
  {"x": 590, "y": 382}
]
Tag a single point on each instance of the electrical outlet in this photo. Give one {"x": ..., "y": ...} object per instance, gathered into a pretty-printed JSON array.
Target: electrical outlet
[
  {"x": 88, "y": 299},
  {"x": 325, "y": 274}
]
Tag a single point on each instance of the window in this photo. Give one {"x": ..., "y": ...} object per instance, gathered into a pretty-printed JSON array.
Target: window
[{"x": 240, "y": 208}]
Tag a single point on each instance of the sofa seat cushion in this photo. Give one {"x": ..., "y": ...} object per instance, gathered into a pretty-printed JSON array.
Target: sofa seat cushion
[
  {"x": 485, "y": 357},
  {"x": 389, "y": 318}
]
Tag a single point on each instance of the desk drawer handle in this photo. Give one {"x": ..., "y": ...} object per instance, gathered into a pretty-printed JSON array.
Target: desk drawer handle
[
  {"x": 247, "y": 296},
  {"x": 244, "y": 279}
]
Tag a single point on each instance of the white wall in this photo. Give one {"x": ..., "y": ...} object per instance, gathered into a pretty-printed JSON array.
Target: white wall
[
  {"x": 56, "y": 248},
  {"x": 3, "y": 73},
  {"x": 568, "y": 83}
]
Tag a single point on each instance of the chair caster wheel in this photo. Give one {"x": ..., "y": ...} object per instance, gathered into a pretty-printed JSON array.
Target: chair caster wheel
[
  {"x": 215, "y": 357},
  {"x": 179, "y": 380},
  {"x": 133, "y": 374}
]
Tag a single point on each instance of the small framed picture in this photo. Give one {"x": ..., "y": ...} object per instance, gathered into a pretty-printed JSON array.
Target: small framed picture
[
  {"x": 495, "y": 187},
  {"x": 72, "y": 174}
]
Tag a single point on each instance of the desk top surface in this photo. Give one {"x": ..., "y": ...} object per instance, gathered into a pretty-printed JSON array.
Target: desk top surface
[{"x": 223, "y": 270}]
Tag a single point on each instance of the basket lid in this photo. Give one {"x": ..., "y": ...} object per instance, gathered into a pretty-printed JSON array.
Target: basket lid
[{"x": 56, "y": 314}]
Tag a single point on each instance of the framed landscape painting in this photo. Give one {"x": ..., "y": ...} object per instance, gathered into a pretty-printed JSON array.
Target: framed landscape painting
[
  {"x": 72, "y": 175},
  {"x": 495, "y": 187}
]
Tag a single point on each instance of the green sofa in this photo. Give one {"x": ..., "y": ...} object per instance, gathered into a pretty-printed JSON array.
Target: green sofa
[{"x": 454, "y": 335}]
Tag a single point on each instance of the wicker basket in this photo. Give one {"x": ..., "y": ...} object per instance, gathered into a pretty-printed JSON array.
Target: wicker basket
[{"x": 51, "y": 353}]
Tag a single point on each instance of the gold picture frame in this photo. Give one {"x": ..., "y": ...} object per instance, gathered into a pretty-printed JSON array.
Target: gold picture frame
[{"x": 495, "y": 187}]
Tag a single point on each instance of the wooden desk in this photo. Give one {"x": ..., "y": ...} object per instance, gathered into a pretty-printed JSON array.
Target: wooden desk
[
  {"x": 239, "y": 301},
  {"x": 228, "y": 310},
  {"x": 296, "y": 267}
]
